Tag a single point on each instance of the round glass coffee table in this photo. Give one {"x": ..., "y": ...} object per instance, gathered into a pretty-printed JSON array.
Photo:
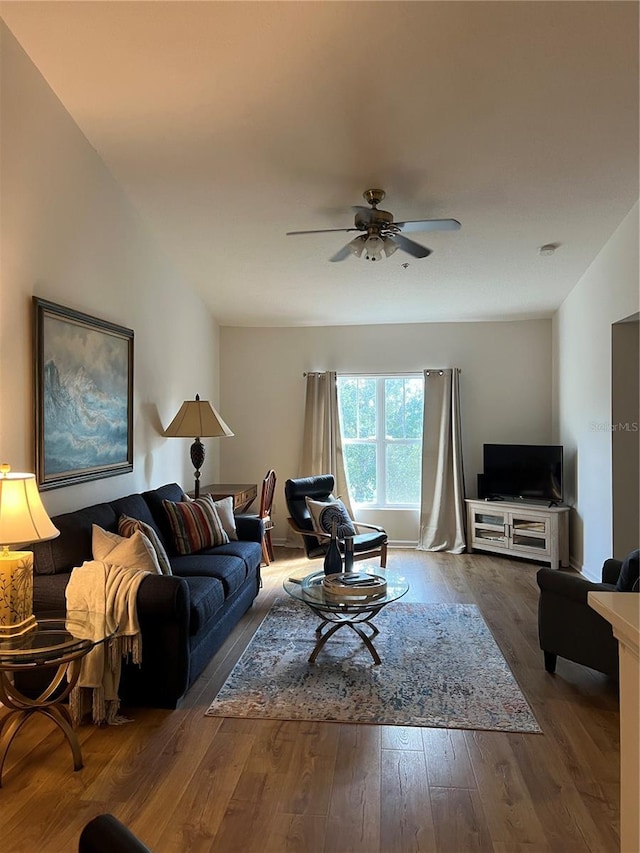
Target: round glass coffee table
[
  {"x": 334, "y": 613},
  {"x": 56, "y": 641}
]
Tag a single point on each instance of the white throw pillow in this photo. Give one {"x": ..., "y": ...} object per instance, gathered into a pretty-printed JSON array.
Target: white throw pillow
[
  {"x": 323, "y": 513},
  {"x": 228, "y": 519},
  {"x": 135, "y": 552}
]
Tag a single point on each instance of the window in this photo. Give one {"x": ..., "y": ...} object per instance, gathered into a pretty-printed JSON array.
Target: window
[{"x": 381, "y": 427}]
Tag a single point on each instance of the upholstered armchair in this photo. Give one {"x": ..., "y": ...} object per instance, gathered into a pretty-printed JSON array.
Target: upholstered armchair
[
  {"x": 569, "y": 628},
  {"x": 106, "y": 834},
  {"x": 369, "y": 539}
]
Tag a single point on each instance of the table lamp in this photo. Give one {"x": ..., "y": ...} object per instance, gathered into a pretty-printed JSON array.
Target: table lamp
[
  {"x": 23, "y": 519},
  {"x": 197, "y": 419}
]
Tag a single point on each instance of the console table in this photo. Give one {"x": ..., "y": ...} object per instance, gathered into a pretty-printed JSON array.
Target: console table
[
  {"x": 519, "y": 530},
  {"x": 243, "y": 494}
]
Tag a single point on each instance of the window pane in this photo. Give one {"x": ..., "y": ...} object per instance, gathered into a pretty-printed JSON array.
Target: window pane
[
  {"x": 403, "y": 473},
  {"x": 394, "y": 409},
  {"x": 413, "y": 411},
  {"x": 347, "y": 403},
  {"x": 366, "y": 408},
  {"x": 360, "y": 462},
  {"x": 403, "y": 413}
]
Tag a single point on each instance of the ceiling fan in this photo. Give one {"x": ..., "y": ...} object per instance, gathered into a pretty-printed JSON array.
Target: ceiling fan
[{"x": 381, "y": 236}]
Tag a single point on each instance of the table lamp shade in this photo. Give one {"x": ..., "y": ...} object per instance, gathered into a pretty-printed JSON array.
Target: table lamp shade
[{"x": 23, "y": 519}]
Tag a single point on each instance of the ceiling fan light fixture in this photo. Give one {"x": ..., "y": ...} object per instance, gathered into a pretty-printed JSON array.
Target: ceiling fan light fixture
[
  {"x": 390, "y": 246},
  {"x": 374, "y": 248},
  {"x": 357, "y": 245}
]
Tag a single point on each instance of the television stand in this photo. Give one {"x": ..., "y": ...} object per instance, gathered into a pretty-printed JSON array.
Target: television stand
[{"x": 539, "y": 533}]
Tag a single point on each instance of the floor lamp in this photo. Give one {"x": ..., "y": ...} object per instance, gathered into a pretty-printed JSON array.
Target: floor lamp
[{"x": 197, "y": 419}]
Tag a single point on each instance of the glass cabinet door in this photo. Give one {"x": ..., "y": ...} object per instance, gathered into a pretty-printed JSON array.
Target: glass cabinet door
[
  {"x": 530, "y": 532},
  {"x": 529, "y": 525},
  {"x": 490, "y": 527}
]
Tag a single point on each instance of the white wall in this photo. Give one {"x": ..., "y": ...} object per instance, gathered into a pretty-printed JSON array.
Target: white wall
[
  {"x": 505, "y": 390},
  {"x": 607, "y": 292},
  {"x": 70, "y": 236}
]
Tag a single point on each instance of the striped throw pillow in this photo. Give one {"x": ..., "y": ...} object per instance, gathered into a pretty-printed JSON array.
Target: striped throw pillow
[
  {"x": 195, "y": 525},
  {"x": 127, "y": 527}
]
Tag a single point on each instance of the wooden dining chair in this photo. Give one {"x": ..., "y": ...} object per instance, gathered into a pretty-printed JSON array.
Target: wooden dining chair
[{"x": 266, "y": 504}]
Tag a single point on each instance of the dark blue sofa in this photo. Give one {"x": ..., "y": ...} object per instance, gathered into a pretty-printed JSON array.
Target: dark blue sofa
[{"x": 184, "y": 618}]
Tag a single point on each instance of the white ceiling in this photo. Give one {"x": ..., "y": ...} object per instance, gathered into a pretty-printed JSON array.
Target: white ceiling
[{"x": 230, "y": 123}]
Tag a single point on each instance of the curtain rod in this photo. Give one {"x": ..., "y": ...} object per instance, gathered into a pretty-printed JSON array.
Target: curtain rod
[{"x": 387, "y": 373}]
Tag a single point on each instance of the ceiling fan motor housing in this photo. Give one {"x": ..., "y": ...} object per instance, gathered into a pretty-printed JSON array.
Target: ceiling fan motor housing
[{"x": 366, "y": 219}]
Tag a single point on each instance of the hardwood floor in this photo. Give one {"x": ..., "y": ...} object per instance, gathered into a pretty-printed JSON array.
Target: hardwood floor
[{"x": 186, "y": 782}]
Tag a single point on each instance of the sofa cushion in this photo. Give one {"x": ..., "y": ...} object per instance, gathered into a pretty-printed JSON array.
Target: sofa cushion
[
  {"x": 135, "y": 551},
  {"x": 206, "y": 596},
  {"x": 249, "y": 552},
  {"x": 128, "y": 526},
  {"x": 628, "y": 577},
  {"x": 229, "y": 570},
  {"x": 195, "y": 525},
  {"x": 153, "y": 499},
  {"x": 73, "y": 546}
]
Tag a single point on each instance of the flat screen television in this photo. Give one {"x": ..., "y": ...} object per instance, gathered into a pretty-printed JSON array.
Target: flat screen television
[{"x": 530, "y": 472}]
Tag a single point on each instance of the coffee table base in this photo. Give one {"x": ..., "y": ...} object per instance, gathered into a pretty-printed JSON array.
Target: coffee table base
[{"x": 356, "y": 621}]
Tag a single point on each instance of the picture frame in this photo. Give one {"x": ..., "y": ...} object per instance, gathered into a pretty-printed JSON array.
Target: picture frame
[{"x": 83, "y": 380}]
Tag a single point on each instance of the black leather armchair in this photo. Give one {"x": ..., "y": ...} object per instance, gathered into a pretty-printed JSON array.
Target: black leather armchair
[
  {"x": 568, "y": 627},
  {"x": 370, "y": 540}
]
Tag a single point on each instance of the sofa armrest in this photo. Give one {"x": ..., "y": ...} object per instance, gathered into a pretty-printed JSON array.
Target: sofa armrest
[
  {"x": 249, "y": 528},
  {"x": 568, "y": 585},
  {"x": 611, "y": 571},
  {"x": 163, "y": 597},
  {"x": 162, "y": 603}
]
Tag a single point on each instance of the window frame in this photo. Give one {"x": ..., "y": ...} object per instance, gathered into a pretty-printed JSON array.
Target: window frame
[{"x": 381, "y": 441}]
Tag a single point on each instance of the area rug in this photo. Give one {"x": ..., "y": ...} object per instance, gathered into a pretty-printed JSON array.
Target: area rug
[{"x": 440, "y": 667}]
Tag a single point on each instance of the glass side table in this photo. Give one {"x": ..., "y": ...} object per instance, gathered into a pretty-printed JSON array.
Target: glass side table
[
  {"x": 335, "y": 614},
  {"x": 56, "y": 641}
]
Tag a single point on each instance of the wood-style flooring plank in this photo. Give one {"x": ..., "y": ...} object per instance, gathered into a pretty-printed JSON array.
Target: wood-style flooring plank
[
  {"x": 307, "y": 787},
  {"x": 448, "y": 764},
  {"x": 405, "y": 809},
  {"x": 508, "y": 808},
  {"x": 459, "y": 821},
  {"x": 257, "y": 796},
  {"x": 353, "y": 824}
]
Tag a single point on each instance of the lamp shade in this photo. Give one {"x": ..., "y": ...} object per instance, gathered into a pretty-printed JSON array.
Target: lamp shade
[
  {"x": 23, "y": 518},
  {"x": 197, "y": 419}
]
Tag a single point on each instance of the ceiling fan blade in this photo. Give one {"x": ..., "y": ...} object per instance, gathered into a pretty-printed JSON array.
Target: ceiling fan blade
[
  {"x": 410, "y": 246},
  {"x": 430, "y": 225},
  {"x": 321, "y": 231},
  {"x": 341, "y": 254}
]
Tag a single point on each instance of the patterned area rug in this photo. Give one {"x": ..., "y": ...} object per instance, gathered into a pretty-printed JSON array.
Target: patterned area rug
[{"x": 440, "y": 667}]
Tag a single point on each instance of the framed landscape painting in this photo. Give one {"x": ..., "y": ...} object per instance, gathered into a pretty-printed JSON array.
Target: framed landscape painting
[{"x": 84, "y": 396}]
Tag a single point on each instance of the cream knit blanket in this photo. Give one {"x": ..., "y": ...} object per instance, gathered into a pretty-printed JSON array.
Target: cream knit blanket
[{"x": 101, "y": 588}]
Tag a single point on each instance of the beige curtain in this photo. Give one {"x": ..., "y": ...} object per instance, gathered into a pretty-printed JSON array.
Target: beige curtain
[
  {"x": 442, "y": 501},
  {"x": 322, "y": 443}
]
